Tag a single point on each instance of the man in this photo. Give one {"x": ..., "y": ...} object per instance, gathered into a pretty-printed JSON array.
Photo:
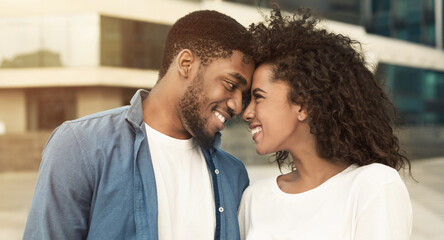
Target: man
[{"x": 153, "y": 170}]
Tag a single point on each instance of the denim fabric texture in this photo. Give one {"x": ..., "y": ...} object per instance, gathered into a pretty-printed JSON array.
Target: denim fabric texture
[{"x": 96, "y": 181}]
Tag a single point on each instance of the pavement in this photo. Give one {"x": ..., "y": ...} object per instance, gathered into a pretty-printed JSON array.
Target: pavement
[{"x": 427, "y": 196}]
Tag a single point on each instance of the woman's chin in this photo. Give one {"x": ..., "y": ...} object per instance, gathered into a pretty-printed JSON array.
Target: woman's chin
[{"x": 262, "y": 151}]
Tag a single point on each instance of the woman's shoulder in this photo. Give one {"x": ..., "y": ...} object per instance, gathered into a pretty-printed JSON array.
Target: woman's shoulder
[
  {"x": 377, "y": 173},
  {"x": 372, "y": 179},
  {"x": 261, "y": 186},
  {"x": 378, "y": 187}
]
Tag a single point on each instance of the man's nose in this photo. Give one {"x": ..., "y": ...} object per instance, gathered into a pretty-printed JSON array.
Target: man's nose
[{"x": 235, "y": 103}]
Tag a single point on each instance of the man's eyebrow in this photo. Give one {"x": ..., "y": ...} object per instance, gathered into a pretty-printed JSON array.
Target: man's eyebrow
[
  {"x": 258, "y": 90},
  {"x": 239, "y": 78}
]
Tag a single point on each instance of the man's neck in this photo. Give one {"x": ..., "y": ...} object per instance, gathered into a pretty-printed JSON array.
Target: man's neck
[{"x": 160, "y": 113}]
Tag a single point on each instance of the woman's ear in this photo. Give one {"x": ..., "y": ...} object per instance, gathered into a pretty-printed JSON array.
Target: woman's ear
[
  {"x": 301, "y": 110},
  {"x": 184, "y": 61}
]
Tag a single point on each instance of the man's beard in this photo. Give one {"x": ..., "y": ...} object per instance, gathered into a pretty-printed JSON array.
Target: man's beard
[{"x": 189, "y": 110}]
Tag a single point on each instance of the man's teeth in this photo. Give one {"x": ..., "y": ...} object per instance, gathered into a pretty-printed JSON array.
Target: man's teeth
[
  {"x": 220, "y": 117},
  {"x": 255, "y": 130}
]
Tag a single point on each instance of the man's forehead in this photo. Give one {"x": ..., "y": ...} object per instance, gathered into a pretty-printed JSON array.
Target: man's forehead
[
  {"x": 237, "y": 66},
  {"x": 246, "y": 59}
]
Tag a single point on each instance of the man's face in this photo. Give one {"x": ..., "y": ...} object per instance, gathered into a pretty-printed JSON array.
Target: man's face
[{"x": 215, "y": 96}]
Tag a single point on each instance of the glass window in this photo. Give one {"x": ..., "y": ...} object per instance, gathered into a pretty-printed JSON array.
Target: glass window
[
  {"x": 381, "y": 6},
  {"x": 401, "y": 9},
  {"x": 430, "y": 35},
  {"x": 414, "y": 16},
  {"x": 414, "y": 33},
  {"x": 428, "y": 4},
  {"x": 132, "y": 44},
  {"x": 47, "y": 108},
  {"x": 49, "y": 41},
  {"x": 417, "y": 93},
  {"x": 248, "y": 2},
  {"x": 127, "y": 95},
  {"x": 410, "y": 20},
  {"x": 401, "y": 34},
  {"x": 383, "y": 19},
  {"x": 338, "y": 10}
]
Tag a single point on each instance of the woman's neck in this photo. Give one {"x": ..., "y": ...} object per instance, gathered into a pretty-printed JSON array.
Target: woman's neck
[{"x": 311, "y": 171}]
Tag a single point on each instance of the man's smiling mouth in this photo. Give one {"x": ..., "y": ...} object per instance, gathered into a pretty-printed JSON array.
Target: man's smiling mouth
[{"x": 219, "y": 116}]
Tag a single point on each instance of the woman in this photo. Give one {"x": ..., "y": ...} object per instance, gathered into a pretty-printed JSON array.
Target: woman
[{"x": 314, "y": 99}]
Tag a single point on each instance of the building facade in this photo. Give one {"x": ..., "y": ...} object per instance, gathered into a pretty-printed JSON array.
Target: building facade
[
  {"x": 61, "y": 60},
  {"x": 60, "y": 67}
]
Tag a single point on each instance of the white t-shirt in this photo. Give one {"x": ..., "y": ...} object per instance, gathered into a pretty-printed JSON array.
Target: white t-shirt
[
  {"x": 184, "y": 189},
  {"x": 368, "y": 202}
]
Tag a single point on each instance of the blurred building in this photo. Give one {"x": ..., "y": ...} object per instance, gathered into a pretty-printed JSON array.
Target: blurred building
[
  {"x": 64, "y": 59},
  {"x": 56, "y": 67},
  {"x": 417, "y": 89}
]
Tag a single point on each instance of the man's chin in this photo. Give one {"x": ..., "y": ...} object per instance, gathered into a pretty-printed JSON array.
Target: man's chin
[{"x": 205, "y": 141}]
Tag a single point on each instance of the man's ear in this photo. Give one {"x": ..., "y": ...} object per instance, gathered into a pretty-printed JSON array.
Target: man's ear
[{"x": 184, "y": 61}]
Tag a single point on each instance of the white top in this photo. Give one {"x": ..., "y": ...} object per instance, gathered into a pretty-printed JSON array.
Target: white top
[
  {"x": 184, "y": 190},
  {"x": 368, "y": 202}
]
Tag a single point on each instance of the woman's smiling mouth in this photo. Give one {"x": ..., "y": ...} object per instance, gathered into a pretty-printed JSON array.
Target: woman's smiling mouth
[{"x": 255, "y": 131}]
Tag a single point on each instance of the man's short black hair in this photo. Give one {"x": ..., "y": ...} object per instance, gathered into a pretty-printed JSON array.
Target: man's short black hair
[{"x": 208, "y": 34}]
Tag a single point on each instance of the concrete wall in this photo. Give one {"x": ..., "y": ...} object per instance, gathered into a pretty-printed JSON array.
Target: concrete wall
[
  {"x": 92, "y": 100},
  {"x": 13, "y": 110},
  {"x": 422, "y": 141},
  {"x": 21, "y": 151}
]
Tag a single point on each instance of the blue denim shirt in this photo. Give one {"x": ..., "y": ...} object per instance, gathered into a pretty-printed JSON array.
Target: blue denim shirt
[{"x": 96, "y": 181}]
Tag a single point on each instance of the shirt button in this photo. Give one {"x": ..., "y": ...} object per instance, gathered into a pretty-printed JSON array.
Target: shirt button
[
  {"x": 221, "y": 209},
  {"x": 216, "y": 171}
]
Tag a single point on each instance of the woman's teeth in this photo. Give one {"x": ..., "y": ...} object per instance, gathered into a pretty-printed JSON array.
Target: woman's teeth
[
  {"x": 256, "y": 130},
  {"x": 220, "y": 117}
]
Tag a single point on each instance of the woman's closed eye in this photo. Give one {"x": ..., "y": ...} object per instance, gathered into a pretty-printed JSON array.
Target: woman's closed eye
[{"x": 257, "y": 96}]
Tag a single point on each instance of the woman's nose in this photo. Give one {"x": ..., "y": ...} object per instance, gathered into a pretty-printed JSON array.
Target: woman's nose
[{"x": 249, "y": 112}]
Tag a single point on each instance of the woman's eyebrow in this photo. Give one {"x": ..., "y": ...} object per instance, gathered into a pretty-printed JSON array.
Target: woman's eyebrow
[{"x": 258, "y": 90}]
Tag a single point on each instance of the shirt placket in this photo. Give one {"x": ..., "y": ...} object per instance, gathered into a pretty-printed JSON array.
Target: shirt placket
[{"x": 218, "y": 199}]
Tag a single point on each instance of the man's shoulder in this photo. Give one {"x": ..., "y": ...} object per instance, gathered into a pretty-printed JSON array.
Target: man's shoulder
[
  {"x": 103, "y": 132},
  {"x": 99, "y": 120},
  {"x": 100, "y": 116},
  {"x": 94, "y": 126}
]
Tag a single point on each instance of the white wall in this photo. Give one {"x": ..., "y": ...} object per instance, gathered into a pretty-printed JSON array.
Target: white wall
[
  {"x": 13, "y": 110},
  {"x": 92, "y": 100}
]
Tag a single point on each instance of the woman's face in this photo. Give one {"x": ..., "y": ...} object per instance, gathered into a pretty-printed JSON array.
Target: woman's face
[{"x": 273, "y": 119}]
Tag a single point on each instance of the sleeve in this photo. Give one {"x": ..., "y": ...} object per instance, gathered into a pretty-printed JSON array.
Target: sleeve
[
  {"x": 244, "y": 181},
  {"x": 387, "y": 216},
  {"x": 62, "y": 196},
  {"x": 243, "y": 216}
]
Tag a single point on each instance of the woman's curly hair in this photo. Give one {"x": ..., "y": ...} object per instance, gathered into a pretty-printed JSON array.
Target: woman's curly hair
[{"x": 349, "y": 113}]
